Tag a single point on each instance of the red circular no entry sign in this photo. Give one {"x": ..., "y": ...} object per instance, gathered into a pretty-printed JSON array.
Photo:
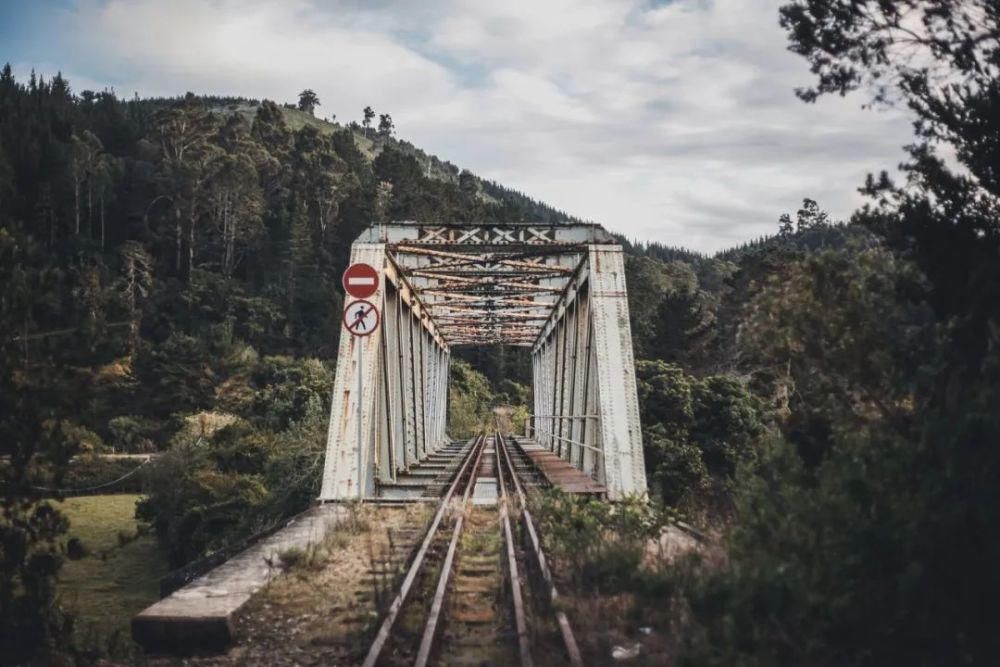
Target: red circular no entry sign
[{"x": 361, "y": 280}]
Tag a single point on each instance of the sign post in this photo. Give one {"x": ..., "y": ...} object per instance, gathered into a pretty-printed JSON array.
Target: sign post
[
  {"x": 361, "y": 356},
  {"x": 361, "y": 318}
]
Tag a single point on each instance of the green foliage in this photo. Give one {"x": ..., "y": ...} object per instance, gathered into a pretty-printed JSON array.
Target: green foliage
[
  {"x": 81, "y": 439},
  {"x": 869, "y": 536},
  {"x": 132, "y": 434},
  {"x": 870, "y": 509},
  {"x": 205, "y": 493},
  {"x": 30, "y": 559},
  {"x": 284, "y": 388},
  {"x": 32, "y": 441},
  {"x": 695, "y": 432},
  {"x": 308, "y": 100},
  {"x": 841, "y": 340},
  {"x": 676, "y": 468},
  {"x": 178, "y": 375},
  {"x": 599, "y": 546},
  {"x": 196, "y": 508},
  {"x": 726, "y": 420},
  {"x": 671, "y": 317},
  {"x": 470, "y": 401}
]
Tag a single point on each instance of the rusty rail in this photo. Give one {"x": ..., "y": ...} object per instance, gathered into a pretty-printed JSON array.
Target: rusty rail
[
  {"x": 511, "y": 492},
  {"x": 520, "y": 622},
  {"x": 430, "y": 629},
  {"x": 565, "y": 630},
  {"x": 418, "y": 562}
]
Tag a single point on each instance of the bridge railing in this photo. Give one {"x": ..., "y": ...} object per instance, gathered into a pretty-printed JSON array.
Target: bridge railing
[{"x": 532, "y": 428}]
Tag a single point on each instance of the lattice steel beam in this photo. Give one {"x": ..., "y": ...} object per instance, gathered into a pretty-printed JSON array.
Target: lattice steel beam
[{"x": 558, "y": 289}]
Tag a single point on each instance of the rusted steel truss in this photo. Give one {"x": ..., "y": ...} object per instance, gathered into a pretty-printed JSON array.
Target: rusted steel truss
[
  {"x": 558, "y": 289},
  {"x": 511, "y": 273}
]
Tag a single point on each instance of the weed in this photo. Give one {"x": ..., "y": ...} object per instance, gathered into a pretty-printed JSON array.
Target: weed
[
  {"x": 354, "y": 521},
  {"x": 292, "y": 557},
  {"x": 598, "y": 545}
]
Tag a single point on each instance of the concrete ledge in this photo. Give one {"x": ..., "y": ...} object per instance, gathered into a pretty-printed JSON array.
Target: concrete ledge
[{"x": 198, "y": 618}]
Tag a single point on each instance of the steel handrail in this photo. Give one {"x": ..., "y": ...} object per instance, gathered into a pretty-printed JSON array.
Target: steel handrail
[{"x": 572, "y": 442}]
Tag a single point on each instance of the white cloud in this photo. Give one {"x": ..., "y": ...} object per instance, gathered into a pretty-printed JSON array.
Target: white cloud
[{"x": 674, "y": 123}]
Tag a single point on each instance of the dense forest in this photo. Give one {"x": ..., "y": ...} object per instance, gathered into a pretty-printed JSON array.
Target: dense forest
[
  {"x": 171, "y": 283},
  {"x": 826, "y": 398}
]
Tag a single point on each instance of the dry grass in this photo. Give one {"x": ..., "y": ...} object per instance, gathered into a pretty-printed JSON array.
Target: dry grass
[
  {"x": 206, "y": 424},
  {"x": 320, "y": 611},
  {"x": 113, "y": 371}
]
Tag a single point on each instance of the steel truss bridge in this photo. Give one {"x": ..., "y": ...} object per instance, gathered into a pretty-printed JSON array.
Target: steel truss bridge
[{"x": 558, "y": 289}]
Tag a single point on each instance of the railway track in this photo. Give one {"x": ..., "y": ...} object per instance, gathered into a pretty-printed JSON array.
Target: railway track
[{"x": 475, "y": 592}]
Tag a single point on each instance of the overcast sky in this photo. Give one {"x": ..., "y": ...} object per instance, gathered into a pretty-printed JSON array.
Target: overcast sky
[{"x": 668, "y": 121}]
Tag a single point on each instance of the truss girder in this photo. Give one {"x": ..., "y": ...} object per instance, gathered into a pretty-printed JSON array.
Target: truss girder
[
  {"x": 404, "y": 377},
  {"x": 559, "y": 289},
  {"x": 583, "y": 367}
]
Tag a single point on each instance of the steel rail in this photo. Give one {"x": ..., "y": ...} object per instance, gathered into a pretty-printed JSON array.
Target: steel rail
[
  {"x": 520, "y": 623},
  {"x": 430, "y": 629},
  {"x": 565, "y": 630},
  {"x": 397, "y": 604}
]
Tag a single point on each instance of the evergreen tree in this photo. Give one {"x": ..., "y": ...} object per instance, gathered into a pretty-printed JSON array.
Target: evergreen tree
[
  {"x": 385, "y": 126},
  {"x": 369, "y": 116},
  {"x": 308, "y": 101}
]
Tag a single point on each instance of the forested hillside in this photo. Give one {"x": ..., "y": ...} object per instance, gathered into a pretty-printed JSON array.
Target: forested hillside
[
  {"x": 171, "y": 281},
  {"x": 825, "y": 399}
]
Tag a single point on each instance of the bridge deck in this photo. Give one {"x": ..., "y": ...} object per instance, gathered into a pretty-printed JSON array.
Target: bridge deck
[{"x": 558, "y": 471}]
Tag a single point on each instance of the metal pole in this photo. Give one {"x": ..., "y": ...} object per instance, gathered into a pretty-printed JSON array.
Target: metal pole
[{"x": 360, "y": 359}]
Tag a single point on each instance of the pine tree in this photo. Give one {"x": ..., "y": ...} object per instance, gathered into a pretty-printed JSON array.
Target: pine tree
[
  {"x": 385, "y": 126},
  {"x": 369, "y": 116},
  {"x": 308, "y": 101}
]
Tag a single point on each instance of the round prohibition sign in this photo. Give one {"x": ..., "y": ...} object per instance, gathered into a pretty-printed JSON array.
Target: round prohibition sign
[
  {"x": 361, "y": 318},
  {"x": 361, "y": 280}
]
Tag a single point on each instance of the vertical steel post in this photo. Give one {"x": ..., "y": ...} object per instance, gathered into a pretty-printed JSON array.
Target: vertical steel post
[
  {"x": 359, "y": 413},
  {"x": 621, "y": 435}
]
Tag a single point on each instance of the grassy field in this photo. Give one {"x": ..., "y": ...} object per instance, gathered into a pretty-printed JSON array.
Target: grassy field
[{"x": 106, "y": 593}]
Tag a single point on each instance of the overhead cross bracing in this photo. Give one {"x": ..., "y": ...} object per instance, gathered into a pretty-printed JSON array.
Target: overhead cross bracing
[
  {"x": 484, "y": 284},
  {"x": 558, "y": 289}
]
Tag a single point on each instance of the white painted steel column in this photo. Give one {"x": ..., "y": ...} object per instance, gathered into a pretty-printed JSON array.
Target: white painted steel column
[
  {"x": 579, "y": 426},
  {"x": 347, "y": 472},
  {"x": 621, "y": 435}
]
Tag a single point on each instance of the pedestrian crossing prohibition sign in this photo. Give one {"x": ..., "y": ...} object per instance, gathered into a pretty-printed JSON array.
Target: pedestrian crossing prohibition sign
[{"x": 361, "y": 317}]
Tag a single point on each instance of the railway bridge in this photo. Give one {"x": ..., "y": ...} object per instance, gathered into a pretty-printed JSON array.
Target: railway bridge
[
  {"x": 556, "y": 288},
  {"x": 470, "y": 581}
]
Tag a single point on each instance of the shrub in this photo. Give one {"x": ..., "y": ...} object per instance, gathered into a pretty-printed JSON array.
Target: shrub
[
  {"x": 677, "y": 473},
  {"x": 292, "y": 557},
  {"x": 81, "y": 439},
  {"x": 283, "y": 387},
  {"x": 696, "y": 431},
  {"x": 208, "y": 492},
  {"x": 470, "y": 399},
  {"x": 132, "y": 434},
  {"x": 597, "y": 544}
]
